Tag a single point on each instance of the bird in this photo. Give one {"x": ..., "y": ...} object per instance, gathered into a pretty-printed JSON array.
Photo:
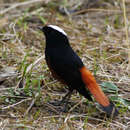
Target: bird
[{"x": 66, "y": 66}]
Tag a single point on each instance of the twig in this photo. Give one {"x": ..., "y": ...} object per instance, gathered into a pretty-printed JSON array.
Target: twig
[
  {"x": 76, "y": 105},
  {"x": 120, "y": 124},
  {"x": 6, "y": 75},
  {"x": 19, "y": 4},
  {"x": 117, "y": 124},
  {"x": 51, "y": 107},
  {"x": 13, "y": 105},
  {"x": 96, "y": 10},
  {"x": 4, "y": 88},
  {"x": 32, "y": 103},
  {"x": 36, "y": 62}
]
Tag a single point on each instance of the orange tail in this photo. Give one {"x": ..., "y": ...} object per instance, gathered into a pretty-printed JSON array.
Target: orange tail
[{"x": 93, "y": 87}]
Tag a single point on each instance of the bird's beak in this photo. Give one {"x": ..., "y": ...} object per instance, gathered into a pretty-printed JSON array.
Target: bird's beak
[{"x": 40, "y": 28}]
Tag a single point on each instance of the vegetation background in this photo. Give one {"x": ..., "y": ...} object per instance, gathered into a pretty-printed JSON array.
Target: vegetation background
[{"x": 98, "y": 31}]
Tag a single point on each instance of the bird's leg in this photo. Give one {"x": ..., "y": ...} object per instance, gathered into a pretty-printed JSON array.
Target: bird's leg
[{"x": 66, "y": 98}]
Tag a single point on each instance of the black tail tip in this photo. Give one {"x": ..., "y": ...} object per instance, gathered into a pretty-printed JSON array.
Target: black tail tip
[{"x": 111, "y": 110}]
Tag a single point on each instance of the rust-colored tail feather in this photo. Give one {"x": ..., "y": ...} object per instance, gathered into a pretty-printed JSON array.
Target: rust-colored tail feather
[
  {"x": 96, "y": 91},
  {"x": 93, "y": 87}
]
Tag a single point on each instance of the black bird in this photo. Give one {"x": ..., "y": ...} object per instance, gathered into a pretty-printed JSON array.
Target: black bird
[{"x": 67, "y": 66}]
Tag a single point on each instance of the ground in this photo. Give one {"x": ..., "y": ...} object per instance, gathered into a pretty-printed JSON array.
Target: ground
[{"x": 99, "y": 34}]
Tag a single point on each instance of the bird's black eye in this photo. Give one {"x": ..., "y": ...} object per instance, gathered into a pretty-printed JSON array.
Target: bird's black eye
[{"x": 50, "y": 31}]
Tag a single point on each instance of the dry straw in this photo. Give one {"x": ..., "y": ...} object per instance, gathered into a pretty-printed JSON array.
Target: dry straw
[{"x": 126, "y": 32}]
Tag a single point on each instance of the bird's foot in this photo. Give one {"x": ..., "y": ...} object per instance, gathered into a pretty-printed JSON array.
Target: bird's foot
[{"x": 60, "y": 106}]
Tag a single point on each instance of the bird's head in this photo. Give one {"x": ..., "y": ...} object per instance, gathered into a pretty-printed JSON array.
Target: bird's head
[{"x": 54, "y": 34}]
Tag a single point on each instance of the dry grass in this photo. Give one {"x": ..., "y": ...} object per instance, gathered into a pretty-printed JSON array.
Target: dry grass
[{"x": 100, "y": 36}]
